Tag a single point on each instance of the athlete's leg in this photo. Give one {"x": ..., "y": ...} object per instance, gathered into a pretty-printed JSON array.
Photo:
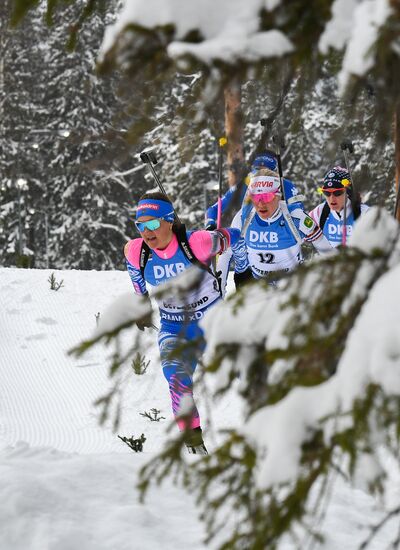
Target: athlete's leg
[{"x": 178, "y": 364}]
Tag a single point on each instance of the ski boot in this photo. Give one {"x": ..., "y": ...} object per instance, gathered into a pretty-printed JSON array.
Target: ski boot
[{"x": 194, "y": 442}]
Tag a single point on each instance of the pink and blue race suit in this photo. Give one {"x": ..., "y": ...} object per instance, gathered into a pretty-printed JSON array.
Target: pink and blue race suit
[{"x": 179, "y": 317}]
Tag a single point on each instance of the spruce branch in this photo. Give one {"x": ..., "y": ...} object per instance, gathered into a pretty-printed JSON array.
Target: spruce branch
[{"x": 153, "y": 415}]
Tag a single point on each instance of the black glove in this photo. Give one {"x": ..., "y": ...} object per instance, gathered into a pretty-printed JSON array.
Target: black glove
[
  {"x": 243, "y": 278},
  {"x": 144, "y": 323},
  {"x": 211, "y": 226},
  {"x": 146, "y": 320}
]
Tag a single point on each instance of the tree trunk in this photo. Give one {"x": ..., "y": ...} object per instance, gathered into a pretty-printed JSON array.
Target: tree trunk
[
  {"x": 397, "y": 157},
  {"x": 234, "y": 130}
]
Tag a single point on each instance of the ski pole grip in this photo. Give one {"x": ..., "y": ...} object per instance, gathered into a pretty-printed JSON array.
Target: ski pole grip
[
  {"x": 148, "y": 157},
  {"x": 347, "y": 144}
]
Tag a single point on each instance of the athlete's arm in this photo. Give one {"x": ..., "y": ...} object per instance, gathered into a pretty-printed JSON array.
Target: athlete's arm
[
  {"x": 207, "y": 244},
  {"x": 132, "y": 259},
  {"x": 310, "y": 231},
  {"x": 226, "y": 201}
]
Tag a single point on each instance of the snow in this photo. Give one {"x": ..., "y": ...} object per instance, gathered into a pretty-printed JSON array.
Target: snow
[
  {"x": 230, "y": 31},
  {"x": 125, "y": 308},
  {"x": 359, "y": 58},
  {"x": 64, "y": 501},
  {"x": 371, "y": 356},
  {"x": 339, "y": 27},
  {"x": 233, "y": 46},
  {"x": 69, "y": 483},
  {"x": 355, "y": 26},
  {"x": 229, "y": 28}
]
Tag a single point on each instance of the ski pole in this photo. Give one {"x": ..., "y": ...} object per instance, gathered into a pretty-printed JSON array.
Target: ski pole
[
  {"x": 279, "y": 145},
  {"x": 149, "y": 158},
  {"x": 344, "y": 226},
  {"x": 396, "y": 206},
  {"x": 221, "y": 143},
  {"x": 347, "y": 147}
]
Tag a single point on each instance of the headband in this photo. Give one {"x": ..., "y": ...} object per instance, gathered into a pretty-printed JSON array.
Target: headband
[
  {"x": 155, "y": 208},
  {"x": 264, "y": 184}
]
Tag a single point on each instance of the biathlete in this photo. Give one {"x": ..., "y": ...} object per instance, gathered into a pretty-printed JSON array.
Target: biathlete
[
  {"x": 164, "y": 250},
  {"x": 273, "y": 234},
  {"x": 341, "y": 208}
]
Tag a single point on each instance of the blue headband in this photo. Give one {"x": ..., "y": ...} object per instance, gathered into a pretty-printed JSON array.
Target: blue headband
[{"x": 156, "y": 209}]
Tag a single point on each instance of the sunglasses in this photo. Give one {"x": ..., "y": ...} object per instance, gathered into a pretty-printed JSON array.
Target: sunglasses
[
  {"x": 151, "y": 225},
  {"x": 336, "y": 193},
  {"x": 263, "y": 197}
]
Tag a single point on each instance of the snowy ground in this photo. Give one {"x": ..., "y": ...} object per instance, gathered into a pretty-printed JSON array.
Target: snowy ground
[{"x": 67, "y": 483}]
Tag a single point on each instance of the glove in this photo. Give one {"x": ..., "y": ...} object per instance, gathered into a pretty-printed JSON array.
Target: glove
[
  {"x": 146, "y": 320},
  {"x": 243, "y": 278},
  {"x": 144, "y": 323},
  {"x": 211, "y": 226},
  {"x": 224, "y": 239}
]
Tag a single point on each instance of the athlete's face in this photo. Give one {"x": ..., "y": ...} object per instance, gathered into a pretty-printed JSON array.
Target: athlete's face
[
  {"x": 335, "y": 200},
  {"x": 263, "y": 208},
  {"x": 157, "y": 238}
]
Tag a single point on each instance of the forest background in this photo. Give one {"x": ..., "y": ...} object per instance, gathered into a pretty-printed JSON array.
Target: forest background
[{"x": 70, "y": 138}]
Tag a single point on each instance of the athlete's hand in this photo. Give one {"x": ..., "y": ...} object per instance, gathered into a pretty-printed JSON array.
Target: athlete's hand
[
  {"x": 144, "y": 323},
  {"x": 146, "y": 320},
  {"x": 243, "y": 278}
]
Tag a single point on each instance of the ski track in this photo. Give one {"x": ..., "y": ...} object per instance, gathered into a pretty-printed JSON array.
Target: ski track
[
  {"x": 39, "y": 326},
  {"x": 46, "y": 401}
]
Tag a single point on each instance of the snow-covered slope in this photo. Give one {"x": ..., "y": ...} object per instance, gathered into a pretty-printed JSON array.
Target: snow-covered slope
[{"x": 65, "y": 482}]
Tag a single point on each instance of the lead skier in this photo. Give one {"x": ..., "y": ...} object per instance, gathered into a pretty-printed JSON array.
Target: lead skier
[{"x": 162, "y": 252}]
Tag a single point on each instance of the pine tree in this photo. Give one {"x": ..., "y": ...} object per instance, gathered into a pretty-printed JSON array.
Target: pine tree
[{"x": 62, "y": 134}]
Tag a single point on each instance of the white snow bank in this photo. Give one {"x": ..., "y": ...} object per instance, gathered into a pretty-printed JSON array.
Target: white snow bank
[
  {"x": 71, "y": 484},
  {"x": 60, "y": 501}
]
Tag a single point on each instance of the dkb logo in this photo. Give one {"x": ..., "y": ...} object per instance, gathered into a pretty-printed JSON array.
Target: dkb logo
[
  {"x": 168, "y": 270},
  {"x": 263, "y": 237}
]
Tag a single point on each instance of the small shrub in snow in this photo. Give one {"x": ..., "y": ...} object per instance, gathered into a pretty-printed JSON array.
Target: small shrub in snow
[
  {"x": 139, "y": 364},
  {"x": 153, "y": 415},
  {"x": 54, "y": 284},
  {"x": 135, "y": 444}
]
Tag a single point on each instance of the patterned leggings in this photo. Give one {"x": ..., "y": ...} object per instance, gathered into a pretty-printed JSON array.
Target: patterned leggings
[{"x": 178, "y": 364}]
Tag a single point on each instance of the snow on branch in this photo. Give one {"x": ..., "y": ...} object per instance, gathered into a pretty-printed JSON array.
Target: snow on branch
[
  {"x": 227, "y": 30},
  {"x": 332, "y": 326},
  {"x": 355, "y": 26}
]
